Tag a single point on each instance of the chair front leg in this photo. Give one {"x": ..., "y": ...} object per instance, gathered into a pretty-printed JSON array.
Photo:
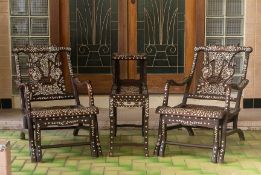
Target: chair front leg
[
  {"x": 146, "y": 128},
  {"x": 222, "y": 142},
  {"x": 38, "y": 142},
  {"x": 112, "y": 126},
  {"x": 93, "y": 143},
  {"x": 215, "y": 148},
  {"x": 164, "y": 137},
  {"x": 157, "y": 147}
]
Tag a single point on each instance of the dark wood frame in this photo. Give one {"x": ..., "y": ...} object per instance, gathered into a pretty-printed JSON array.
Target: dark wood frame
[{"x": 194, "y": 36}]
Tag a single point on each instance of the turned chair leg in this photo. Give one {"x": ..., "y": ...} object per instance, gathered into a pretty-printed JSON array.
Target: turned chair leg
[{"x": 145, "y": 127}]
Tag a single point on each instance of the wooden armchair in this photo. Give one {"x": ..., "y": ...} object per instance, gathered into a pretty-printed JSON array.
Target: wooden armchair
[
  {"x": 46, "y": 68},
  {"x": 215, "y": 66}
]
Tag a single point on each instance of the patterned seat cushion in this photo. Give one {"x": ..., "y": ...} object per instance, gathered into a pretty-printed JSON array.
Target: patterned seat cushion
[
  {"x": 63, "y": 111},
  {"x": 193, "y": 111}
]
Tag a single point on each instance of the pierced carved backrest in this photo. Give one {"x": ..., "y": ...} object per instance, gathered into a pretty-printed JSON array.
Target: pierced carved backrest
[
  {"x": 218, "y": 68},
  {"x": 45, "y": 71}
]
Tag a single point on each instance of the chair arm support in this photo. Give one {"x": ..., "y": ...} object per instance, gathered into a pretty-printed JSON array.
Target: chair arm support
[
  {"x": 173, "y": 83},
  {"x": 239, "y": 86},
  {"x": 227, "y": 100},
  {"x": 86, "y": 84}
]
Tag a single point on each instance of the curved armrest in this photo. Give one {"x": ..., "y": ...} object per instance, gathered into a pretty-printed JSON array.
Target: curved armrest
[
  {"x": 173, "y": 83},
  {"x": 88, "y": 86},
  {"x": 240, "y": 86}
]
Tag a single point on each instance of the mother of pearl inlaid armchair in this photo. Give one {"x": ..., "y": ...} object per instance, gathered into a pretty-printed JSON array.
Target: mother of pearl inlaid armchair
[
  {"x": 46, "y": 68},
  {"x": 215, "y": 69}
]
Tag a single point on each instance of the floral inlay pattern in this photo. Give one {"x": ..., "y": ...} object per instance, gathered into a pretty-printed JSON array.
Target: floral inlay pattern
[
  {"x": 218, "y": 69},
  {"x": 46, "y": 74}
]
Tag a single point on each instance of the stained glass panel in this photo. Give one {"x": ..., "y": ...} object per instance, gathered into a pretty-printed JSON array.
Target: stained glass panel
[
  {"x": 161, "y": 34},
  {"x": 94, "y": 27}
]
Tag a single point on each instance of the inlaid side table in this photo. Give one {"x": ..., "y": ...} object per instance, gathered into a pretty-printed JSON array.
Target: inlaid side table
[{"x": 128, "y": 93}]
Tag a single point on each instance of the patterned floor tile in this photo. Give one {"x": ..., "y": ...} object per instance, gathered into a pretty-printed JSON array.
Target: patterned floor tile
[{"x": 242, "y": 157}]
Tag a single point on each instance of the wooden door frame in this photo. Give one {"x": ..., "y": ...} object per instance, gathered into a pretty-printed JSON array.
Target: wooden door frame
[{"x": 194, "y": 36}]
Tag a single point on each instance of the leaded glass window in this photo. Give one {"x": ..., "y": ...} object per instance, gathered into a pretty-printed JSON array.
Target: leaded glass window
[
  {"x": 225, "y": 25},
  {"x": 94, "y": 34},
  {"x": 29, "y": 24},
  {"x": 161, "y": 34}
]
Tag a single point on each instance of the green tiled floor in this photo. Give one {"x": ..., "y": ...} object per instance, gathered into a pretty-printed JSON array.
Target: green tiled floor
[{"x": 242, "y": 157}]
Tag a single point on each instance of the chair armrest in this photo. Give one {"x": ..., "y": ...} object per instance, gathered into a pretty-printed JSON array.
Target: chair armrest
[
  {"x": 86, "y": 84},
  {"x": 173, "y": 83},
  {"x": 241, "y": 85}
]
